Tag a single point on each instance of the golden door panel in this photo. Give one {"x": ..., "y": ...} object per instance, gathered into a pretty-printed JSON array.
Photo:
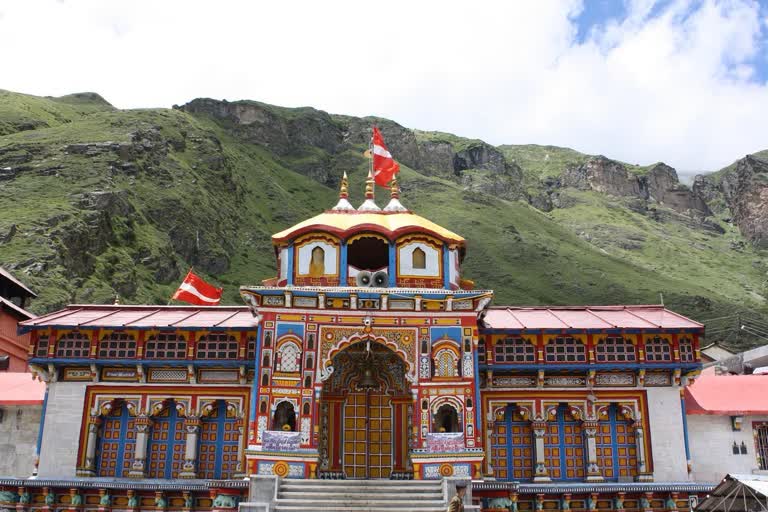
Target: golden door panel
[{"x": 367, "y": 436}]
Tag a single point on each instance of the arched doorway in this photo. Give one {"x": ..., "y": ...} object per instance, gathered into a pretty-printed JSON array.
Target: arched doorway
[{"x": 365, "y": 411}]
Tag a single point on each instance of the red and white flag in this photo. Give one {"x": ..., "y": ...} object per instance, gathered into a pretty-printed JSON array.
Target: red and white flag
[
  {"x": 384, "y": 166},
  {"x": 196, "y": 291}
]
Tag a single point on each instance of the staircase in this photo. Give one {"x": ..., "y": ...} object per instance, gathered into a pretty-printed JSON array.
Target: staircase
[{"x": 360, "y": 496}]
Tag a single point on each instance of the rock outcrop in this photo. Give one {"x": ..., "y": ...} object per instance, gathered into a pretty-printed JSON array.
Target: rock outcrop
[{"x": 745, "y": 189}]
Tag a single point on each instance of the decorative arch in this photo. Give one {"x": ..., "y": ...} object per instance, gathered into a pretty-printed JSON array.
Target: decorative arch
[
  {"x": 158, "y": 406},
  {"x": 233, "y": 408},
  {"x": 288, "y": 353},
  {"x": 326, "y": 364}
]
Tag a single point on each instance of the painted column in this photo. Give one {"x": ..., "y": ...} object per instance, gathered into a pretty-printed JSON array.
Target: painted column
[
  {"x": 189, "y": 467},
  {"x": 240, "y": 468},
  {"x": 540, "y": 474},
  {"x": 139, "y": 464},
  {"x": 642, "y": 471},
  {"x": 344, "y": 266},
  {"x": 255, "y": 386},
  {"x": 90, "y": 448},
  {"x": 392, "y": 265},
  {"x": 688, "y": 462},
  {"x": 289, "y": 264},
  {"x": 446, "y": 271},
  {"x": 593, "y": 470}
]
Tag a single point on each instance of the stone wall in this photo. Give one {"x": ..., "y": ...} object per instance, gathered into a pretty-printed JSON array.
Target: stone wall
[
  {"x": 61, "y": 433},
  {"x": 711, "y": 440},
  {"x": 667, "y": 444},
  {"x": 18, "y": 439}
]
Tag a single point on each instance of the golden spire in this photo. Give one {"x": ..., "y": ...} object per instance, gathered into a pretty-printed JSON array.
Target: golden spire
[
  {"x": 369, "y": 186},
  {"x": 394, "y": 204},
  {"x": 394, "y": 189},
  {"x": 344, "y": 190}
]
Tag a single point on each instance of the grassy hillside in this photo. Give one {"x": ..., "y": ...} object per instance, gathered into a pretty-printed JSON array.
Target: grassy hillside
[{"x": 99, "y": 202}]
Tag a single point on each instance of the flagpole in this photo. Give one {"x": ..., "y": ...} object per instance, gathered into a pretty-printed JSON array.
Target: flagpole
[{"x": 371, "y": 171}]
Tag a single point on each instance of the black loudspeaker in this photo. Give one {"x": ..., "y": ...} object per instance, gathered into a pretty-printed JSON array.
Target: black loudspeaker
[{"x": 380, "y": 279}]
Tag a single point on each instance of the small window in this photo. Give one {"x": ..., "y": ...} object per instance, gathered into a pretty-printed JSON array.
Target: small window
[
  {"x": 117, "y": 345},
  {"x": 217, "y": 346},
  {"x": 447, "y": 419},
  {"x": 250, "y": 352},
  {"x": 686, "y": 350},
  {"x": 446, "y": 363},
  {"x": 615, "y": 348},
  {"x": 419, "y": 258},
  {"x": 565, "y": 349},
  {"x": 288, "y": 358},
  {"x": 284, "y": 418},
  {"x": 74, "y": 344},
  {"x": 166, "y": 346},
  {"x": 658, "y": 349},
  {"x": 514, "y": 349},
  {"x": 317, "y": 262},
  {"x": 42, "y": 346}
]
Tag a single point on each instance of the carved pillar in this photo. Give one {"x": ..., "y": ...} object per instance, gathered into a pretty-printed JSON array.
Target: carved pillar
[
  {"x": 642, "y": 467},
  {"x": 189, "y": 467},
  {"x": 593, "y": 470},
  {"x": 89, "y": 469},
  {"x": 540, "y": 473},
  {"x": 240, "y": 469},
  {"x": 139, "y": 464}
]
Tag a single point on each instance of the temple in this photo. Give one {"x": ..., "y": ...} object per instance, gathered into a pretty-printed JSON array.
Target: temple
[{"x": 368, "y": 357}]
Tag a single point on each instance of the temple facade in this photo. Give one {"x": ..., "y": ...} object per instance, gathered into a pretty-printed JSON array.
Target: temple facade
[{"x": 368, "y": 356}]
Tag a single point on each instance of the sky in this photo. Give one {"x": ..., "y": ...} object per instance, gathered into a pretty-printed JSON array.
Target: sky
[{"x": 679, "y": 81}]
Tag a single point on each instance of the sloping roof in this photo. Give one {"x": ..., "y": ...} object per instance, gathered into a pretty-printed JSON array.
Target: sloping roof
[
  {"x": 4, "y": 273},
  {"x": 388, "y": 224},
  {"x": 5, "y": 303},
  {"x": 146, "y": 317},
  {"x": 586, "y": 317},
  {"x": 738, "y": 493},
  {"x": 18, "y": 388},
  {"x": 728, "y": 395}
]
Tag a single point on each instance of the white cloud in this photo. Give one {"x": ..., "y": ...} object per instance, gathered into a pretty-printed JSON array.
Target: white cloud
[{"x": 678, "y": 86}]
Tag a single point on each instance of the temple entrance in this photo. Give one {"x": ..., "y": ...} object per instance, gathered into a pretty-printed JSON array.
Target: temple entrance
[{"x": 364, "y": 409}]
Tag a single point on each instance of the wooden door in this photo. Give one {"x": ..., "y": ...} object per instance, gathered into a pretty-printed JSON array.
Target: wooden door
[{"x": 368, "y": 435}]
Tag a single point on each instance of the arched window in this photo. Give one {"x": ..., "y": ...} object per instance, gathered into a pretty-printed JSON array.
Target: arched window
[
  {"x": 74, "y": 344},
  {"x": 615, "y": 348},
  {"x": 368, "y": 253},
  {"x": 565, "y": 349},
  {"x": 219, "y": 438},
  {"x": 446, "y": 419},
  {"x": 288, "y": 358},
  {"x": 446, "y": 363},
  {"x": 317, "y": 262},
  {"x": 117, "y": 345},
  {"x": 419, "y": 258},
  {"x": 284, "y": 417},
  {"x": 658, "y": 349},
  {"x": 686, "y": 350},
  {"x": 616, "y": 447},
  {"x": 514, "y": 349},
  {"x": 166, "y": 443},
  {"x": 512, "y": 446},
  {"x": 166, "y": 346},
  {"x": 117, "y": 443},
  {"x": 564, "y": 446},
  {"x": 217, "y": 346}
]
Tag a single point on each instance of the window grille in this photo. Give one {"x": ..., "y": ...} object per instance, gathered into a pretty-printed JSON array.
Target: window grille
[
  {"x": 117, "y": 345},
  {"x": 42, "y": 346},
  {"x": 288, "y": 358},
  {"x": 761, "y": 445},
  {"x": 217, "y": 346},
  {"x": 74, "y": 344},
  {"x": 481, "y": 351},
  {"x": 686, "y": 350},
  {"x": 514, "y": 350},
  {"x": 658, "y": 349},
  {"x": 166, "y": 346},
  {"x": 445, "y": 363},
  {"x": 615, "y": 348},
  {"x": 565, "y": 349}
]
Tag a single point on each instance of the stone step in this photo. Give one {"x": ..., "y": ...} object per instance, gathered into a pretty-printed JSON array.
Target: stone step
[{"x": 347, "y": 496}]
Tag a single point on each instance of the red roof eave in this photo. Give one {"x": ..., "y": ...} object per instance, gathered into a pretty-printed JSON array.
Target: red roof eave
[{"x": 361, "y": 228}]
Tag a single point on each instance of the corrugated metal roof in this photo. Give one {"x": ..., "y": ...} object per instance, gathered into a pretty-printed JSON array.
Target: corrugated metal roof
[
  {"x": 586, "y": 317},
  {"x": 147, "y": 317},
  {"x": 17, "y": 388},
  {"x": 731, "y": 395}
]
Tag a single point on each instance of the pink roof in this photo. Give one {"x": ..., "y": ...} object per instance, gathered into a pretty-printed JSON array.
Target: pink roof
[
  {"x": 20, "y": 389},
  {"x": 13, "y": 307},
  {"x": 728, "y": 395},
  {"x": 111, "y": 316},
  {"x": 587, "y": 317}
]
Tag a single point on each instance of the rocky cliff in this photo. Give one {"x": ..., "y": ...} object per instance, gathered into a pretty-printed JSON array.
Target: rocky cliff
[{"x": 745, "y": 189}]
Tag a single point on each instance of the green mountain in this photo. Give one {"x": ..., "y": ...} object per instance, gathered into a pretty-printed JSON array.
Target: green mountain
[{"x": 97, "y": 202}]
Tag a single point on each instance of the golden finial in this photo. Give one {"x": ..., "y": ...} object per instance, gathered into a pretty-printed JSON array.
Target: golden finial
[
  {"x": 117, "y": 300},
  {"x": 394, "y": 189},
  {"x": 344, "y": 189},
  {"x": 369, "y": 186}
]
